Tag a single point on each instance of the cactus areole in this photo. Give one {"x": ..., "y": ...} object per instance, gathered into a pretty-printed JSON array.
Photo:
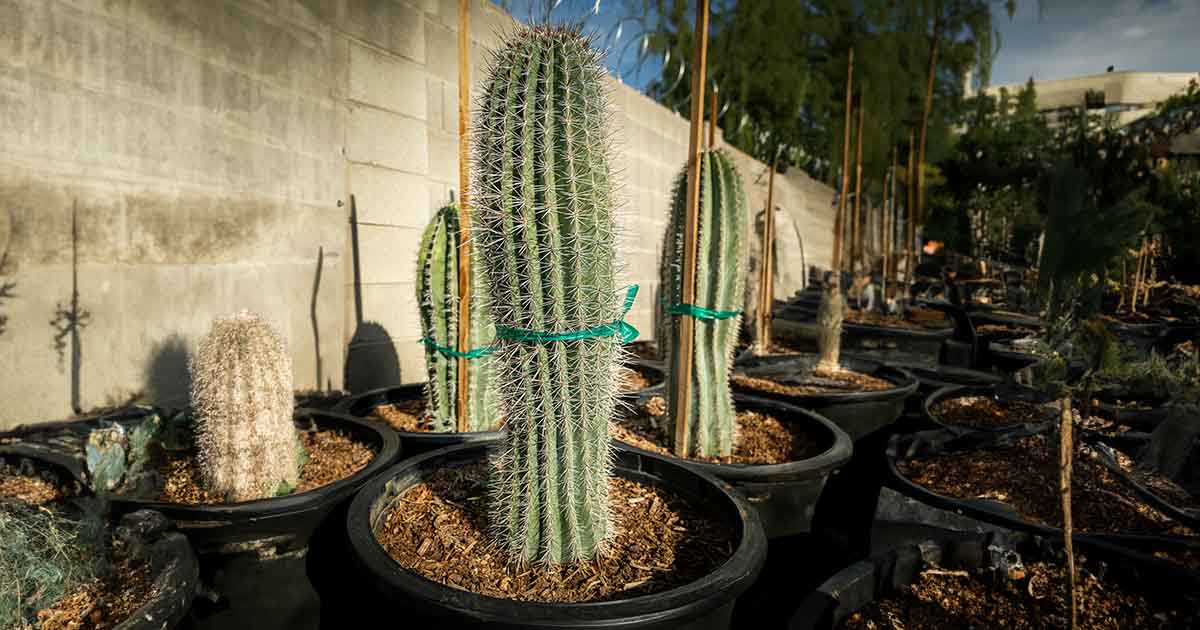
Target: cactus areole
[
  {"x": 544, "y": 235},
  {"x": 720, "y": 289},
  {"x": 439, "y": 301}
]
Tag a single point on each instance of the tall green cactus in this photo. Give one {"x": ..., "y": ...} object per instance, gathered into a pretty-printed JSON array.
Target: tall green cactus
[
  {"x": 720, "y": 286},
  {"x": 544, "y": 229},
  {"x": 242, "y": 399},
  {"x": 437, "y": 297}
]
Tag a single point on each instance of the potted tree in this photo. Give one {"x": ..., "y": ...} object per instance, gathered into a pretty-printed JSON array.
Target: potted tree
[{"x": 532, "y": 539}]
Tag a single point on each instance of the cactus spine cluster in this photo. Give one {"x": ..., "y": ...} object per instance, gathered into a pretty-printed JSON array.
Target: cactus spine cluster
[
  {"x": 720, "y": 286},
  {"x": 545, "y": 235},
  {"x": 242, "y": 399},
  {"x": 437, "y": 296}
]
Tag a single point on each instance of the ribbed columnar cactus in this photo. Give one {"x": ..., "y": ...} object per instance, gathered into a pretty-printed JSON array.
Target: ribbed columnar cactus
[
  {"x": 242, "y": 401},
  {"x": 720, "y": 286},
  {"x": 437, "y": 295},
  {"x": 545, "y": 235}
]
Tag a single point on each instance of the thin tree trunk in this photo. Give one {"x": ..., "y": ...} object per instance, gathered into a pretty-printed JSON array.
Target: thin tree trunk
[
  {"x": 910, "y": 219},
  {"x": 829, "y": 314},
  {"x": 1137, "y": 276},
  {"x": 856, "y": 244},
  {"x": 841, "y": 211},
  {"x": 925, "y": 111}
]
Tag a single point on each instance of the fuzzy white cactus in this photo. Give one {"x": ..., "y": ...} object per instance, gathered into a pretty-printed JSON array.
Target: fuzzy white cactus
[{"x": 242, "y": 400}]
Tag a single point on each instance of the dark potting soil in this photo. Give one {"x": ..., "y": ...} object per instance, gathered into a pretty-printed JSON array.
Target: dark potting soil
[
  {"x": 984, "y": 412},
  {"x": 103, "y": 603},
  {"x": 1036, "y": 596},
  {"x": 914, "y": 319},
  {"x": 1020, "y": 331},
  {"x": 29, "y": 489},
  {"x": 1161, "y": 485},
  {"x": 1025, "y": 476},
  {"x": 841, "y": 382},
  {"x": 758, "y": 438},
  {"x": 332, "y": 456},
  {"x": 439, "y": 529}
]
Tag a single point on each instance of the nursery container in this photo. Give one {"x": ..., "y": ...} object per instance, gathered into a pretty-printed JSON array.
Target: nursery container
[{"x": 386, "y": 590}]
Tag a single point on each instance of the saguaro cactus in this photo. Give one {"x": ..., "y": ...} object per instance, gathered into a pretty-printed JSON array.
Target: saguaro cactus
[
  {"x": 544, "y": 230},
  {"x": 720, "y": 287},
  {"x": 437, "y": 295},
  {"x": 242, "y": 399}
]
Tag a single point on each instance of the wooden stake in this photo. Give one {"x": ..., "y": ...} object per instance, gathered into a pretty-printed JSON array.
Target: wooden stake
[
  {"x": 712, "y": 120},
  {"x": 464, "y": 216},
  {"x": 841, "y": 211},
  {"x": 766, "y": 286},
  {"x": 886, "y": 230},
  {"x": 1066, "y": 453},
  {"x": 856, "y": 245},
  {"x": 909, "y": 218},
  {"x": 687, "y": 325}
]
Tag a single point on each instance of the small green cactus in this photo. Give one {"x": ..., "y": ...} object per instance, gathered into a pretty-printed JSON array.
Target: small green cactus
[
  {"x": 545, "y": 236},
  {"x": 720, "y": 286},
  {"x": 437, "y": 296},
  {"x": 242, "y": 401}
]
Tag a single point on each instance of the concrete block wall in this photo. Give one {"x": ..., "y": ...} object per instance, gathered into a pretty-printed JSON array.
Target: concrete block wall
[{"x": 213, "y": 151}]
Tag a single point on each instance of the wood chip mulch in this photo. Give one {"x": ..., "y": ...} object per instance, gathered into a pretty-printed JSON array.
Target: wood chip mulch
[
  {"x": 34, "y": 490},
  {"x": 1025, "y": 476},
  {"x": 984, "y": 412},
  {"x": 102, "y": 603},
  {"x": 843, "y": 381},
  {"x": 630, "y": 380},
  {"x": 1022, "y": 331},
  {"x": 406, "y": 416},
  {"x": 439, "y": 529},
  {"x": 1035, "y": 596},
  {"x": 332, "y": 456},
  {"x": 758, "y": 438},
  {"x": 914, "y": 319}
]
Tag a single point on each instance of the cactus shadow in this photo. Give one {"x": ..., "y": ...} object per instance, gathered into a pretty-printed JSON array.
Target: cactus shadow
[
  {"x": 371, "y": 360},
  {"x": 167, "y": 379}
]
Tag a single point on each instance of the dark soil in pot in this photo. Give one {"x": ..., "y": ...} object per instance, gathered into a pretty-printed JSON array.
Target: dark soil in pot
[
  {"x": 1030, "y": 596},
  {"x": 685, "y": 548},
  {"x": 1018, "y": 477},
  {"x": 994, "y": 408},
  {"x": 782, "y": 455}
]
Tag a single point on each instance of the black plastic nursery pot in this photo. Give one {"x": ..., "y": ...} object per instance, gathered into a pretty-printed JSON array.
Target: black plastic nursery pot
[
  {"x": 172, "y": 565},
  {"x": 1001, "y": 392},
  {"x": 785, "y": 495},
  {"x": 385, "y": 589},
  {"x": 856, "y": 413},
  {"x": 930, "y": 380},
  {"x": 1121, "y": 546},
  {"x": 862, "y": 583},
  {"x": 287, "y": 521}
]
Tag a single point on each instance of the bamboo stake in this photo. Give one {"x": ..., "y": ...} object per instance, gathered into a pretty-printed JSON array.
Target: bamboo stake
[
  {"x": 933, "y": 54},
  {"x": 767, "y": 280},
  {"x": 856, "y": 237},
  {"x": 687, "y": 325},
  {"x": 1066, "y": 454},
  {"x": 1137, "y": 275},
  {"x": 464, "y": 216},
  {"x": 841, "y": 211}
]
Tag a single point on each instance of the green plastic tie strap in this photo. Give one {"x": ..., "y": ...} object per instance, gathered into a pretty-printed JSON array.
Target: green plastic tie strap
[
  {"x": 473, "y": 353},
  {"x": 699, "y": 312},
  {"x": 612, "y": 329}
]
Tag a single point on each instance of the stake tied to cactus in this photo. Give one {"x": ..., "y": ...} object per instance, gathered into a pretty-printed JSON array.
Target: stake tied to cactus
[
  {"x": 543, "y": 228},
  {"x": 438, "y": 300},
  {"x": 720, "y": 289}
]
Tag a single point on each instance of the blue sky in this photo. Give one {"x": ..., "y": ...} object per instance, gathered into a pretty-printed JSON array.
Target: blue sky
[
  {"x": 1068, "y": 38},
  {"x": 1080, "y": 37}
]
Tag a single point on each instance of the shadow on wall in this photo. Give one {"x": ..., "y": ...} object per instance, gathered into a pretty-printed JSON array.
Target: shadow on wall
[
  {"x": 167, "y": 378},
  {"x": 371, "y": 361}
]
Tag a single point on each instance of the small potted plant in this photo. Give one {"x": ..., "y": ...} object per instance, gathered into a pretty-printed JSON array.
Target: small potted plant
[{"x": 550, "y": 527}]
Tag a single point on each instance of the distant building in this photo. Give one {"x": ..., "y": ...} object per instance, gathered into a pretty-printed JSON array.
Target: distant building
[{"x": 1127, "y": 95}]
